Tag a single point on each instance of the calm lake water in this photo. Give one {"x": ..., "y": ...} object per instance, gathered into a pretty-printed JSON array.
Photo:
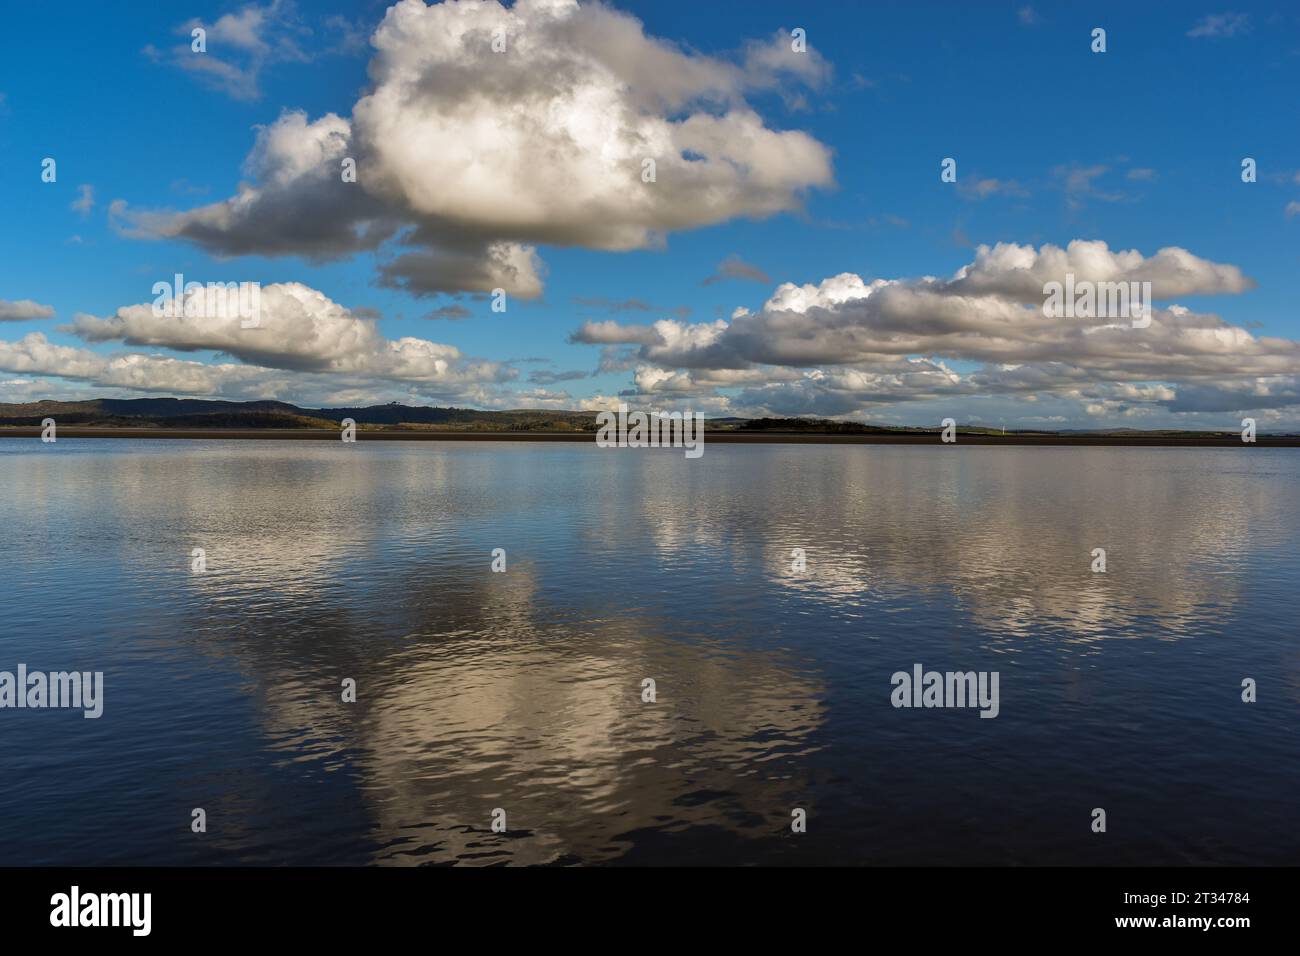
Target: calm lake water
[{"x": 522, "y": 690}]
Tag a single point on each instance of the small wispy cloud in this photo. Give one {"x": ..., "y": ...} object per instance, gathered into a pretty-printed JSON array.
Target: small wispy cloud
[
  {"x": 1078, "y": 182},
  {"x": 734, "y": 267},
  {"x": 85, "y": 202},
  {"x": 23, "y": 310},
  {"x": 452, "y": 313},
  {"x": 982, "y": 187},
  {"x": 544, "y": 377},
  {"x": 1028, "y": 16},
  {"x": 185, "y": 187},
  {"x": 612, "y": 305},
  {"x": 239, "y": 46},
  {"x": 1221, "y": 25}
]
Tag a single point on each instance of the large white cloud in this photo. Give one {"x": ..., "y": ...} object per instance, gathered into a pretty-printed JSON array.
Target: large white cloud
[
  {"x": 86, "y": 373},
  {"x": 299, "y": 329},
  {"x": 34, "y": 354},
  {"x": 306, "y": 348},
  {"x": 476, "y": 156},
  {"x": 853, "y": 344},
  {"x": 1019, "y": 272}
]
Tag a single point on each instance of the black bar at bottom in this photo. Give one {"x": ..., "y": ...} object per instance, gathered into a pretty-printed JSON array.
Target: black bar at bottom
[{"x": 330, "y": 905}]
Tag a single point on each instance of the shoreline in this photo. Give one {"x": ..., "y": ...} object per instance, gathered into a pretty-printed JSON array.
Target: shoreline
[{"x": 722, "y": 438}]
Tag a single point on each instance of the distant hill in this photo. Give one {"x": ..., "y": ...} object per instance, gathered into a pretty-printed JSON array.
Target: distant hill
[
  {"x": 202, "y": 413},
  {"x": 197, "y": 413}
]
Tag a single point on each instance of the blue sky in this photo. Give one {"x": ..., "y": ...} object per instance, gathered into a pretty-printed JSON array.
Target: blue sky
[{"x": 1139, "y": 147}]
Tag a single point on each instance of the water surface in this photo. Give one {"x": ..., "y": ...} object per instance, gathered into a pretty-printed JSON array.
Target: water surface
[{"x": 522, "y": 690}]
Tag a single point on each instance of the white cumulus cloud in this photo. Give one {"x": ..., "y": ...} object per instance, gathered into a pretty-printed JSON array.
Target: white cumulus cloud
[{"x": 473, "y": 157}]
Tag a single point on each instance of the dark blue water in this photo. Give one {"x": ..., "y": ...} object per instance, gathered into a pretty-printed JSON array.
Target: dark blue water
[{"x": 522, "y": 690}]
